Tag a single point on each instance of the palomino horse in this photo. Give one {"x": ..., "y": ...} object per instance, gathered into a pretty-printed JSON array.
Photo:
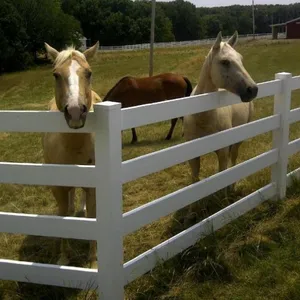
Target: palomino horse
[
  {"x": 74, "y": 98},
  {"x": 222, "y": 68},
  {"x": 132, "y": 91}
]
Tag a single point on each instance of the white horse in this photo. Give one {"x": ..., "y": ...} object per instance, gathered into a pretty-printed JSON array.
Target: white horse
[{"x": 222, "y": 69}]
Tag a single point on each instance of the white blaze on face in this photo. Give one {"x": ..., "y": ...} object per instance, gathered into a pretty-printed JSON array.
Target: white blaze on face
[{"x": 74, "y": 83}]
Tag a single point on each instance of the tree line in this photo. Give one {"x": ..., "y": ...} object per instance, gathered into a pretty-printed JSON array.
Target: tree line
[{"x": 26, "y": 24}]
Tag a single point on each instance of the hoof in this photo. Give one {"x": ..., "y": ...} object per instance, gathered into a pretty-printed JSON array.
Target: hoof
[
  {"x": 63, "y": 261},
  {"x": 168, "y": 138}
]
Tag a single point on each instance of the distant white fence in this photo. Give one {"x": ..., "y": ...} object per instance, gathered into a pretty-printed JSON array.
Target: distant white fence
[
  {"x": 109, "y": 173},
  {"x": 183, "y": 43}
]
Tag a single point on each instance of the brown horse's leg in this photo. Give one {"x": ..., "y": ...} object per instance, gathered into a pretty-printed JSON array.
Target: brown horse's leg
[
  {"x": 195, "y": 168},
  {"x": 134, "y": 136},
  {"x": 173, "y": 124},
  {"x": 61, "y": 195},
  {"x": 91, "y": 213}
]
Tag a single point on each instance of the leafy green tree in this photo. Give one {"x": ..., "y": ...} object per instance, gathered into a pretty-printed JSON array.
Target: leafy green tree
[
  {"x": 184, "y": 19},
  {"x": 46, "y": 22},
  {"x": 13, "y": 39}
]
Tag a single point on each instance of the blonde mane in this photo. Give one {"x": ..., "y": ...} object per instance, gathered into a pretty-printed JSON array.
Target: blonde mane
[{"x": 66, "y": 54}]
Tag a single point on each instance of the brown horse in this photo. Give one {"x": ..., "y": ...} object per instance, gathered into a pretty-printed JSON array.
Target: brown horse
[
  {"x": 74, "y": 98},
  {"x": 132, "y": 91}
]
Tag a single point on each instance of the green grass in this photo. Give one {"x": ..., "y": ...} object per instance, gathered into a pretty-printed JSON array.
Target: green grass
[{"x": 255, "y": 257}]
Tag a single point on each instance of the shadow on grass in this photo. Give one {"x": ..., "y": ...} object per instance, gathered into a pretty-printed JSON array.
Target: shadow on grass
[
  {"x": 200, "y": 262},
  {"x": 45, "y": 250},
  {"x": 215, "y": 257}
]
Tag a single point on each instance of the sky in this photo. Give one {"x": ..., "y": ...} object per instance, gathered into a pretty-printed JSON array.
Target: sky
[{"x": 211, "y": 3}]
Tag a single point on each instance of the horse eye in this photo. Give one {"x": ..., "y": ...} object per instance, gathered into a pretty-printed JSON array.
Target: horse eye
[
  {"x": 56, "y": 75},
  {"x": 225, "y": 62},
  {"x": 88, "y": 74}
]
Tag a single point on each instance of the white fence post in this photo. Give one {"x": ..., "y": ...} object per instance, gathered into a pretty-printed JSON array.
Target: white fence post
[
  {"x": 282, "y": 105},
  {"x": 109, "y": 205}
]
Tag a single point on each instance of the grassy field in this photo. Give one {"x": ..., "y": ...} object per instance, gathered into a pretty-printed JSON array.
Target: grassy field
[{"x": 255, "y": 257}]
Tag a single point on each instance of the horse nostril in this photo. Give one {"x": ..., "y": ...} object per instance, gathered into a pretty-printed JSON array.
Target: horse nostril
[
  {"x": 84, "y": 108},
  {"x": 252, "y": 90},
  {"x": 66, "y": 109},
  {"x": 255, "y": 90}
]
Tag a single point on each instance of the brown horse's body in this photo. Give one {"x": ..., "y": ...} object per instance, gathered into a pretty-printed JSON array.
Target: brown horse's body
[
  {"x": 74, "y": 98},
  {"x": 132, "y": 91}
]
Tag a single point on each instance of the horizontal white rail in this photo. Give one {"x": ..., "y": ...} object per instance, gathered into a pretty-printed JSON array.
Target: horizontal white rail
[
  {"x": 40, "y": 121},
  {"x": 296, "y": 83},
  {"x": 162, "y": 159},
  {"x": 48, "y": 121},
  {"x": 295, "y": 174},
  {"x": 166, "y": 250},
  {"x": 294, "y": 115},
  {"x": 51, "y": 226},
  {"x": 63, "y": 276},
  {"x": 147, "y": 213},
  {"x": 48, "y": 174},
  {"x": 165, "y": 110},
  {"x": 294, "y": 147}
]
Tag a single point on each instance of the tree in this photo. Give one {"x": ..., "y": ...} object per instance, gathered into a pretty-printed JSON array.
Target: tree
[
  {"x": 46, "y": 22},
  {"x": 184, "y": 19},
  {"x": 119, "y": 22},
  {"x": 13, "y": 39}
]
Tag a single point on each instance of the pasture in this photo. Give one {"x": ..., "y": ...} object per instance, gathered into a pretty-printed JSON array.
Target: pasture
[{"x": 238, "y": 262}]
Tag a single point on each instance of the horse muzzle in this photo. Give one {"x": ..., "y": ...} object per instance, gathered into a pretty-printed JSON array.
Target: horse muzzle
[
  {"x": 249, "y": 93},
  {"x": 75, "y": 115}
]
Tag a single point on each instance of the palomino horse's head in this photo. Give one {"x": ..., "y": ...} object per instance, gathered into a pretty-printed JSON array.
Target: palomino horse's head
[
  {"x": 73, "y": 91},
  {"x": 227, "y": 70}
]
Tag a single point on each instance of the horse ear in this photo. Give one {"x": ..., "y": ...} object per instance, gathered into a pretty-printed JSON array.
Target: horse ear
[
  {"x": 90, "y": 53},
  {"x": 233, "y": 40},
  {"x": 52, "y": 53},
  {"x": 218, "y": 41}
]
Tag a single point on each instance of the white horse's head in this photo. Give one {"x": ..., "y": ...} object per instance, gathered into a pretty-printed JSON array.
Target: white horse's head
[
  {"x": 73, "y": 91},
  {"x": 227, "y": 70}
]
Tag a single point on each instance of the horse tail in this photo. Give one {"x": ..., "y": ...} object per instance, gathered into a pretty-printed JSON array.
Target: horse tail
[{"x": 189, "y": 87}]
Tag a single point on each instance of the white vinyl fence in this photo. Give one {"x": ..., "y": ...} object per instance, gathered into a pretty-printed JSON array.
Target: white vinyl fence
[
  {"x": 109, "y": 173},
  {"x": 243, "y": 37}
]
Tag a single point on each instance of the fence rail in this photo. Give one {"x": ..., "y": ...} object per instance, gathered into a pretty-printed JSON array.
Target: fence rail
[
  {"x": 109, "y": 173},
  {"x": 184, "y": 43}
]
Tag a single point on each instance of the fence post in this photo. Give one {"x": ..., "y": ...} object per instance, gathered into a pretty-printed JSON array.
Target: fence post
[
  {"x": 109, "y": 204},
  {"x": 282, "y": 105}
]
